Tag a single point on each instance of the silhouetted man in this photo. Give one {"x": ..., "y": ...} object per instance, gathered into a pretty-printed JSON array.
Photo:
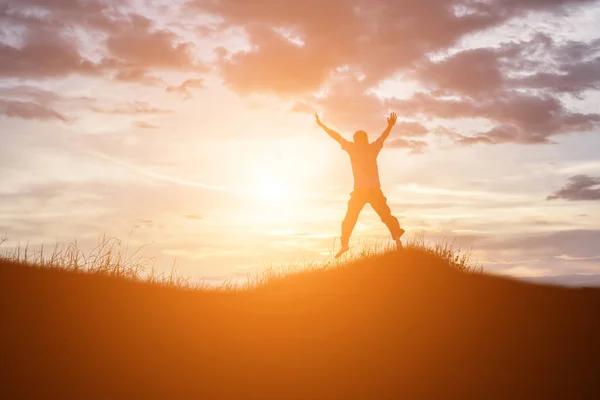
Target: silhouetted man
[{"x": 367, "y": 189}]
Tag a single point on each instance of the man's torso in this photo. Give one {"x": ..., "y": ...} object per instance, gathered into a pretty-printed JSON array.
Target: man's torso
[{"x": 364, "y": 164}]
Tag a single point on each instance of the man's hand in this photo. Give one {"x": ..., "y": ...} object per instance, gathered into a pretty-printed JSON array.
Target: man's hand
[
  {"x": 391, "y": 122},
  {"x": 392, "y": 119},
  {"x": 336, "y": 136},
  {"x": 318, "y": 120}
]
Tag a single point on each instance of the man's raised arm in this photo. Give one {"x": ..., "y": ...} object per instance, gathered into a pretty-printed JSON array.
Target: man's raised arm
[
  {"x": 391, "y": 122},
  {"x": 336, "y": 136}
]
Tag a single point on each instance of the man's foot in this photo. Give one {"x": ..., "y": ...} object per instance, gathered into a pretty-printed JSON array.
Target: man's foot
[
  {"x": 398, "y": 241},
  {"x": 342, "y": 251}
]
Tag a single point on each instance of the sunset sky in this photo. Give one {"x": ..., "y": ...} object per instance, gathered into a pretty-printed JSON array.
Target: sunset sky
[{"x": 189, "y": 125}]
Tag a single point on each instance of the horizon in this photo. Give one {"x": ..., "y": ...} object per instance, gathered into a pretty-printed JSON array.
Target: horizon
[{"x": 189, "y": 125}]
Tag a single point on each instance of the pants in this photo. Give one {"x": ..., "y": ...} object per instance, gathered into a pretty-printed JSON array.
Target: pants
[{"x": 375, "y": 197}]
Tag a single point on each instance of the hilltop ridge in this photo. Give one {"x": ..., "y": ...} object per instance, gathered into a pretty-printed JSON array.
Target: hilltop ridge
[{"x": 402, "y": 323}]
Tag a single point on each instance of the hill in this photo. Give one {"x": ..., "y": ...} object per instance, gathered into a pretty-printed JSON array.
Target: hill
[{"x": 395, "y": 325}]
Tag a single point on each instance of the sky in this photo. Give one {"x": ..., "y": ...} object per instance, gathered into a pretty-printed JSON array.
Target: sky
[{"x": 187, "y": 127}]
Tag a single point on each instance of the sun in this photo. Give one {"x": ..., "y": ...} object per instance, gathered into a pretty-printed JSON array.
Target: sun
[{"x": 270, "y": 188}]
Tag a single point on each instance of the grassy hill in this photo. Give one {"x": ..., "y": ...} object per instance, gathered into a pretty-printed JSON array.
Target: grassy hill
[{"x": 407, "y": 324}]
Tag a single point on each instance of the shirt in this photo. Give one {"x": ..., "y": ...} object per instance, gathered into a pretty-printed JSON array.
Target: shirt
[{"x": 363, "y": 158}]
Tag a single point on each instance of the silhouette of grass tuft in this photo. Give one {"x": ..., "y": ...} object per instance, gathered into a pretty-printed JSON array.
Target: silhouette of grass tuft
[{"x": 113, "y": 257}]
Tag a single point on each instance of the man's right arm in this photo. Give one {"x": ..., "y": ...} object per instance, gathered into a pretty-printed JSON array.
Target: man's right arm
[
  {"x": 334, "y": 135},
  {"x": 391, "y": 122}
]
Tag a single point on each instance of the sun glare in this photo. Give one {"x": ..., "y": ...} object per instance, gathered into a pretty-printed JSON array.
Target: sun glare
[{"x": 270, "y": 188}]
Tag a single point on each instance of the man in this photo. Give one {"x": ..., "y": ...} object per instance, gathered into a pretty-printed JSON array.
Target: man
[{"x": 367, "y": 189}]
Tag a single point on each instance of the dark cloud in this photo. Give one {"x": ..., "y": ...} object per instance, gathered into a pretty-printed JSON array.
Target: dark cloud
[
  {"x": 29, "y": 110},
  {"x": 296, "y": 45},
  {"x": 482, "y": 72},
  {"x": 480, "y": 83},
  {"x": 521, "y": 118},
  {"x": 470, "y": 72},
  {"x": 49, "y": 48},
  {"x": 132, "y": 47},
  {"x": 575, "y": 68},
  {"x": 43, "y": 57},
  {"x": 297, "y": 49},
  {"x": 184, "y": 88},
  {"x": 345, "y": 46},
  {"x": 135, "y": 44},
  {"x": 572, "y": 78},
  {"x": 578, "y": 188}
]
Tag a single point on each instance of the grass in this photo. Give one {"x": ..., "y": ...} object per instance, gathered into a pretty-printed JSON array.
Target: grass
[
  {"x": 113, "y": 257},
  {"x": 423, "y": 322}
]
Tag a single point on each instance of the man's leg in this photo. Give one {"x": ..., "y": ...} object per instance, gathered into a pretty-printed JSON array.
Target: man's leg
[
  {"x": 379, "y": 204},
  {"x": 355, "y": 205}
]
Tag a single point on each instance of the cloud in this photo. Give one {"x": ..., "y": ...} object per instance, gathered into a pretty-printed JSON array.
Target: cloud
[
  {"x": 129, "y": 47},
  {"x": 48, "y": 13},
  {"x": 274, "y": 65},
  {"x": 344, "y": 49},
  {"x": 577, "y": 66},
  {"x": 481, "y": 83},
  {"x": 49, "y": 49},
  {"x": 295, "y": 46},
  {"x": 481, "y": 72},
  {"x": 138, "y": 76},
  {"x": 521, "y": 118},
  {"x": 134, "y": 107},
  {"x": 470, "y": 72},
  {"x": 135, "y": 43},
  {"x": 577, "y": 243},
  {"x": 29, "y": 92},
  {"x": 340, "y": 49},
  {"x": 571, "y": 258},
  {"x": 184, "y": 88},
  {"x": 578, "y": 188},
  {"x": 302, "y": 107},
  {"x": 575, "y": 280},
  {"x": 403, "y": 128},
  {"x": 29, "y": 110},
  {"x": 348, "y": 105},
  {"x": 145, "y": 223},
  {"x": 144, "y": 125},
  {"x": 416, "y": 146},
  {"x": 43, "y": 57},
  {"x": 158, "y": 177},
  {"x": 33, "y": 102}
]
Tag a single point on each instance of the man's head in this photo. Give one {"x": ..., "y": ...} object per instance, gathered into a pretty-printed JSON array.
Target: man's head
[{"x": 360, "y": 137}]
